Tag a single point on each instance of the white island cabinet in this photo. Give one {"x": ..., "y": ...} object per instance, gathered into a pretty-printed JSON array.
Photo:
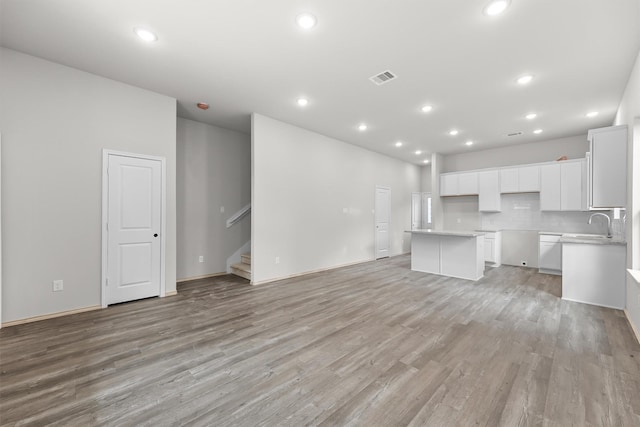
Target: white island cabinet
[
  {"x": 448, "y": 253},
  {"x": 593, "y": 270}
]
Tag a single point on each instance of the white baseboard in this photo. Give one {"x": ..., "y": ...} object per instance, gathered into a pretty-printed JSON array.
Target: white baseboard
[
  {"x": 320, "y": 270},
  {"x": 206, "y": 276},
  {"x": 50, "y": 316},
  {"x": 634, "y": 328}
]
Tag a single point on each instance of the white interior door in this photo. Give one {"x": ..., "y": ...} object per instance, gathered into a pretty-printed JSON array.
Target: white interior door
[
  {"x": 134, "y": 228},
  {"x": 382, "y": 209}
]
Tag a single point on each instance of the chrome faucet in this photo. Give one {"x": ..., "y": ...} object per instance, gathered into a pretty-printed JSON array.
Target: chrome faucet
[{"x": 609, "y": 234}]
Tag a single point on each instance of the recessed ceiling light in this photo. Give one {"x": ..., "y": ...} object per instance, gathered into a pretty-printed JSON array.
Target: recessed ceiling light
[
  {"x": 453, "y": 132},
  {"x": 523, "y": 80},
  {"x": 399, "y": 144},
  {"x": 306, "y": 21},
  {"x": 537, "y": 131},
  {"x": 362, "y": 127},
  {"x": 468, "y": 143},
  {"x": 302, "y": 102},
  {"x": 496, "y": 7},
  {"x": 425, "y": 161},
  {"x": 145, "y": 35},
  {"x": 592, "y": 114},
  {"x": 426, "y": 108},
  {"x": 531, "y": 116},
  {"x": 418, "y": 152}
]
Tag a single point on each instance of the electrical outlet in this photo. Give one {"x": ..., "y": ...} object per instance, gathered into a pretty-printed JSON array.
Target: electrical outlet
[
  {"x": 221, "y": 209},
  {"x": 58, "y": 285},
  {"x": 277, "y": 260},
  {"x": 201, "y": 258}
]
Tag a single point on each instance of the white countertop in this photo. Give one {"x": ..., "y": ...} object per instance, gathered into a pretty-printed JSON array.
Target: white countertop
[
  {"x": 448, "y": 233},
  {"x": 591, "y": 239}
]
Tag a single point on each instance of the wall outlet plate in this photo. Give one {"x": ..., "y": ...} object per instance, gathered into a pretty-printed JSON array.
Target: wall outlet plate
[{"x": 58, "y": 285}]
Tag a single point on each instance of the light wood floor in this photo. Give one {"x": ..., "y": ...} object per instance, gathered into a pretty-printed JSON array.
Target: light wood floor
[{"x": 373, "y": 345}]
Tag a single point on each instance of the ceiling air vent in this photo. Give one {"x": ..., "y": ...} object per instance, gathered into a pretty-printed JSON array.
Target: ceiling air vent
[
  {"x": 383, "y": 77},
  {"x": 514, "y": 134}
]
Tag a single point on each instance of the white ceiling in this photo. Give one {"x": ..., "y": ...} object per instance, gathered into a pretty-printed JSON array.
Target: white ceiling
[{"x": 244, "y": 56}]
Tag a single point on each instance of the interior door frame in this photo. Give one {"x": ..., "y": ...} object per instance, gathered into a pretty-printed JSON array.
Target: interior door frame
[
  {"x": 375, "y": 221},
  {"x": 105, "y": 216}
]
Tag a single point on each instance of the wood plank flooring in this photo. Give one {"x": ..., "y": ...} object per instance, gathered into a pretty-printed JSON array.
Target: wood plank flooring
[{"x": 368, "y": 345}]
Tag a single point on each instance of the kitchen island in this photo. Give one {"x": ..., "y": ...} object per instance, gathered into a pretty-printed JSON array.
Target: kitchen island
[
  {"x": 448, "y": 253},
  {"x": 594, "y": 270}
]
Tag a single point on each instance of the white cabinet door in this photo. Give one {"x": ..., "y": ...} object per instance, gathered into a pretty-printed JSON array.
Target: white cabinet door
[
  {"x": 468, "y": 183},
  {"x": 550, "y": 187},
  {"x": 571, "y": 194},
  {"x": 489, "y": 191},
  {"x": 528, "y": 179},
  {"x": 550, "y": 256},
  {"x": 509, "y": 180},
  {"x": 608, "y": 168},
  {"x": 449, "y": 184},
  {"x": 489, "y": 251}
]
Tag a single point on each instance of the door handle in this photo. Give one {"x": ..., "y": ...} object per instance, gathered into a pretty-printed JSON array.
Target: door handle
[{"x": 155, "y": 235}]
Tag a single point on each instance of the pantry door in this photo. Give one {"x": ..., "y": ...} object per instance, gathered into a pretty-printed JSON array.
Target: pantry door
[{"x": 134, "y": 228}]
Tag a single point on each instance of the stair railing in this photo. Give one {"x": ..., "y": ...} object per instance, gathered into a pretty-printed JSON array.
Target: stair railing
[{"x": 239, "y": 215}]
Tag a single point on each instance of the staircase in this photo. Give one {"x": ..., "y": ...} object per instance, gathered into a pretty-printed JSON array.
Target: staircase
[{"x": 243, "y": 269}]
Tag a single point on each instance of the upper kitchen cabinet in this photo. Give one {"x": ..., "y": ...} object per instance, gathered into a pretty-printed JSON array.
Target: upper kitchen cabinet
[
  {"x": 607, "y": 168},
  {"x": 459, "y": 184},
  {"x": 449, "y": 184},
  {"x": 489, "y": 191},
  {"x": 522, "y": 179},
  {"x": 562, "y": 186}
]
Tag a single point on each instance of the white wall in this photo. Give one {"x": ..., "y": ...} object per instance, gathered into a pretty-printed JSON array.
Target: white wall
[
  {"x": 313, "y": 199},
  {"x": 55, "y": 121},
  {"x": 629, "y": 114},
  {"x": 214, "y": 171},
  {"x": 573, "y": 147},
  {"x": 425, "y": 179}
]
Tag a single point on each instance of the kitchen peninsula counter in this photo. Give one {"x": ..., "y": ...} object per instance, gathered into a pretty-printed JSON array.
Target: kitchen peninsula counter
[{"x": 448, "y": 253}]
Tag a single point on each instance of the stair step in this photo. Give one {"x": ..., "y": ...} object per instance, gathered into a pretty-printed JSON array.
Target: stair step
[
  {"x": 242, "y": 270},
  {"x": 246, "y": 258}
]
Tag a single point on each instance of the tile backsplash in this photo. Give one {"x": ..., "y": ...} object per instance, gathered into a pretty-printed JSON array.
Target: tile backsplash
[{"x": 521, "y": 212}]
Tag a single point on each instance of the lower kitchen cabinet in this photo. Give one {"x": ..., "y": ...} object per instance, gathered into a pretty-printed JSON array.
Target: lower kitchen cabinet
[
  {"x": 550, "y": 254},
  {"x": 493, "y": 248}
]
